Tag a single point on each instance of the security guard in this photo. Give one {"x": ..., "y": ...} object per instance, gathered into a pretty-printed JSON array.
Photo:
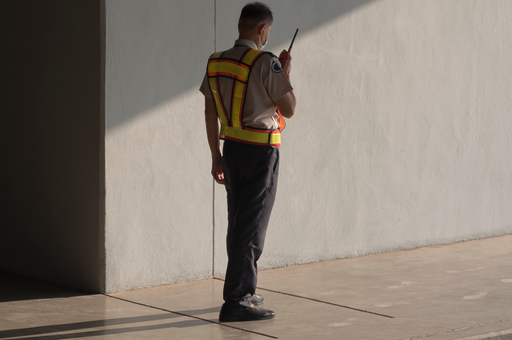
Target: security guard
[{"x": 249, "y": 92}]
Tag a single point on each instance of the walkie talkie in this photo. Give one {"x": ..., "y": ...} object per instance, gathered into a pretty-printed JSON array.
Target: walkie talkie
[{"x": 283, "y": 57}]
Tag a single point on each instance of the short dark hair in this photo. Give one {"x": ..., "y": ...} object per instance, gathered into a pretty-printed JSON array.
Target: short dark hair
[{"x": 253, "y": 14}]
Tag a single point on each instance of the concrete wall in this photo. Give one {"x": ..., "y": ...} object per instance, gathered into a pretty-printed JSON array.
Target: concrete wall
[
  {"x": 158, "y": 191},
  {"x": 403, "y": 132},
  {"x": 401, "y": 137},
  {"x": 52, "y": 173}
]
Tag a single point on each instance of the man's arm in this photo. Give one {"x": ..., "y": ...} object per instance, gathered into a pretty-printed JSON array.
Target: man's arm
[
  {"x": 212, "y": 132},
  {"x": 287, "y": 103}
]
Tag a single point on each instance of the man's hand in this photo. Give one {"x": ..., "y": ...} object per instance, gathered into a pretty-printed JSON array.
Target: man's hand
[
  {"x": 212, "y": 132},
  {"x": 286, "y": 62},
  {"x": 218, "y": 172},
  {"x": 288, "y": 66}
]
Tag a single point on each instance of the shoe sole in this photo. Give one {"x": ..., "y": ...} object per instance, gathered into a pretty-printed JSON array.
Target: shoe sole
[{"x": 238, "y": 319}]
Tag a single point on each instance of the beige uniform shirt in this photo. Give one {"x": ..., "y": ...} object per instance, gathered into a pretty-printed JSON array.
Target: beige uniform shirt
[{"x": 267, "y": 84}]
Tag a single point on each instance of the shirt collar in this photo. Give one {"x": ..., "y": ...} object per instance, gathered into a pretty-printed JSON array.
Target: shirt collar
[{"x": 246, "y": 42}]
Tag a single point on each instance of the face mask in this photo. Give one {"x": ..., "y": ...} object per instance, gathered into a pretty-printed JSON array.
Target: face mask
[{"x": 263, "y": 46}]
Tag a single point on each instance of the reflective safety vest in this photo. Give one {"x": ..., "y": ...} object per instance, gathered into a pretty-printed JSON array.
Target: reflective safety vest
[{"x": 232, "y": 128}]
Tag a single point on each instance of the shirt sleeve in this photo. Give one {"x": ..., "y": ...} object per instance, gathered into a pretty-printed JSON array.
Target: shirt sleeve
[
  {"x": 205, "y": 87},
  {"x": 276, "y": 83}
]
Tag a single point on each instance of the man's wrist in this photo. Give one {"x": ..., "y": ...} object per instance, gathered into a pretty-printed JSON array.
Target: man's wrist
[{"x": 216, "y": 157}]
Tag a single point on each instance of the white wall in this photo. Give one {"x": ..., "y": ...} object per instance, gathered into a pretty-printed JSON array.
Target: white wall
[
  {"x": 401, "y": 137},
  {"x": 158, "y": 189},
  {"x": 403, "y": 132}
]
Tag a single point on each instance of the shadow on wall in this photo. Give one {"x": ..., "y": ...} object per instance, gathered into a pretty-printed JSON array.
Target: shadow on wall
[
  {"x": 156, "y": 64},
  {"x": 50, "y": 179}
]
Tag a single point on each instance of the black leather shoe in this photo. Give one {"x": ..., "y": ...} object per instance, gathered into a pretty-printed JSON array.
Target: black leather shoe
[
  {"x": 256, "y": 299},
  {"x": 243, "y": 313}
]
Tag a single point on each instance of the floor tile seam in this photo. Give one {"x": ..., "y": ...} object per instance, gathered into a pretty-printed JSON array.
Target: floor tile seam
[
  {"x": 320, "y": 301},
  {"x": 453, "y": 330},
  {"x": 192, "y": 316}
]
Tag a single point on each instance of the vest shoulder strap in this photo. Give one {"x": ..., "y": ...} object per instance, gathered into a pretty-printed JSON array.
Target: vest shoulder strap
[{"x": 239, "y": 71}]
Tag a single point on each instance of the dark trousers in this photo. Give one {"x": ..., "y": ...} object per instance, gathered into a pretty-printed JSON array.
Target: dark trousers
[{"x": 250, "y": 173}]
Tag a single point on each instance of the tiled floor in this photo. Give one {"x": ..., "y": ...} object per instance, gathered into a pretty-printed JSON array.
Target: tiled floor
[{"x": 457, "y": 291}]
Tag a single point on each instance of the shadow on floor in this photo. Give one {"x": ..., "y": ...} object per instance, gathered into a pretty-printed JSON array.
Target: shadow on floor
[
  {"x": 81, "y": 327},
  {"x": 14, "y": 287}
]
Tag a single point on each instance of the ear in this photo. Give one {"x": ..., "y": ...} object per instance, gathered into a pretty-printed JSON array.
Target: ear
[{"x": 261, "y": 27}]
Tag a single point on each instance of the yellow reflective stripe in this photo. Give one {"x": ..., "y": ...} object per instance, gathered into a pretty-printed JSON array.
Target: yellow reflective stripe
[
  {"x": 236, "y": 107},
  {"x": 239, "y": 71},
  {"x": 218, "y": 103},
  {"x": 251, "y": 56},
  {"x": 230, "y": 69},
  {"x": 228, "y": 132}
]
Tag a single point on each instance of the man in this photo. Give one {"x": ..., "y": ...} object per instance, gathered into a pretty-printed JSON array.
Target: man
[{"x": 243, "y": 88}]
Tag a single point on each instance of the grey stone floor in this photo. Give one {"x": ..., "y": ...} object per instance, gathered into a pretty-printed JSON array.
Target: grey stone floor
[{"x": 457, "y": 291}]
